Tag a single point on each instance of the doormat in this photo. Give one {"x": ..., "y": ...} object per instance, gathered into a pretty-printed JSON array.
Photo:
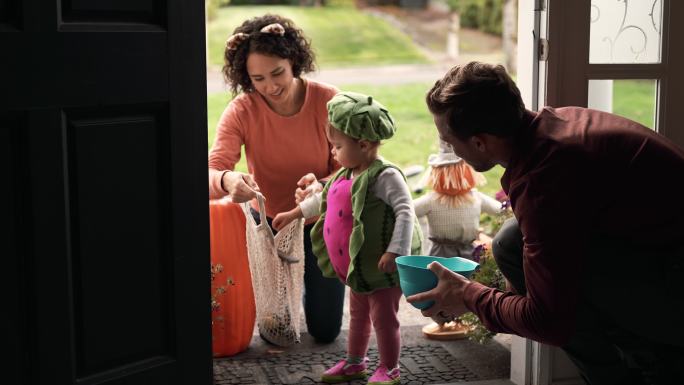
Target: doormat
[{"x": 420, "y": 364}]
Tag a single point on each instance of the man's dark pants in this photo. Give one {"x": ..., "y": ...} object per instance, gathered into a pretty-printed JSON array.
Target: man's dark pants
[{"x": 629, "y": 325}]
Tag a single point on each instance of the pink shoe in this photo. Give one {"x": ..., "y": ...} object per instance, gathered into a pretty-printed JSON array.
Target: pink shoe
[
  {"x": 384, "y": 377},
  {"x": 343, "y": 372}
]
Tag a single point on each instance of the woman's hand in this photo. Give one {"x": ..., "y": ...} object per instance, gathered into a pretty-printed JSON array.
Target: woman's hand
[
  {"x": 448, "y": 294},
  {"x": 306, "y": 186},
  {"x": 241, "y": 187},
  {"x": 387, "y": 264},
  {"x": 282, "y": 219}
]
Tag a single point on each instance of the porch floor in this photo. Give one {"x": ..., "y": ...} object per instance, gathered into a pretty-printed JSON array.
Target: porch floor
[{"x": 422, "y": 361}]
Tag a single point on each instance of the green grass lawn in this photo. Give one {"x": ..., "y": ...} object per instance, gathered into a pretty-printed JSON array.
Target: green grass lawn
[
  {"x": 340, "y": 35},
  {"x": 416, "y": 136},
  {"x": 635, "y": 99}
]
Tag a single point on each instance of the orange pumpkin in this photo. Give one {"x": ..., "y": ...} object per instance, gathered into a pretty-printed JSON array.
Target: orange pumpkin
[{"x": 232, "y": 297}]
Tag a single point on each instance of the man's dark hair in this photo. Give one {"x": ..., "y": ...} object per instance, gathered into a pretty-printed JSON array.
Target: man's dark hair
[
  {"x": 477, "y": 98},
  {"x": 293, "y": 45}
]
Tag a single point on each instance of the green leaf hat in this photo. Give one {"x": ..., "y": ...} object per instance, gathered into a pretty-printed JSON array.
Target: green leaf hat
[{"x": 360, "y": 117}]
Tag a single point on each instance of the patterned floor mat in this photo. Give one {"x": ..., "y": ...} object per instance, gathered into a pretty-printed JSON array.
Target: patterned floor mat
[{"x": 420, "y": 364}]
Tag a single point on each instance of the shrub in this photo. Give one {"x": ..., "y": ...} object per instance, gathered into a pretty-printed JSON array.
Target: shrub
[
  {"x": 492, "y": 16},
  {"x": 485, "y": 15},
  {"x": 488, "y": 272}
]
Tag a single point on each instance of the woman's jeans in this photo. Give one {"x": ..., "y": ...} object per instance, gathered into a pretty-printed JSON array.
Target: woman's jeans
[
  {"x": 323, "y": 297},
  {"x": 629, "y": 321}
]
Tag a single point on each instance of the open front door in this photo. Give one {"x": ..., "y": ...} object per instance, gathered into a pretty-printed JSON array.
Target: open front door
[
  {"x": 619, "y": 56},
  {"x": 105, "y": 263}
]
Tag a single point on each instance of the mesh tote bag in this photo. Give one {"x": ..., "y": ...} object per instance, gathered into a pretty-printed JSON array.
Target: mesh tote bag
[{"x": 277, "y": 267}]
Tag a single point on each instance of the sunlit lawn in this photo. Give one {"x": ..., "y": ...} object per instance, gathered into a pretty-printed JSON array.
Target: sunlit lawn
[
  {"x": 416, "y": 137},
  {"x": 343, "y": 36},
  {"x": 340, "y": 35},
  {"x": 635, "y": 99}
]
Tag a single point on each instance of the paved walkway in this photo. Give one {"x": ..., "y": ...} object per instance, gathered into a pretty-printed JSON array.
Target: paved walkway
[
  {"x": 380, "y": 75},
  {"x": 396, "y": 74}
]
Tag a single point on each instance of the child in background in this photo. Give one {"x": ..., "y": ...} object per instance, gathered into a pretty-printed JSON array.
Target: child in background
[
  {"x": 366, "y": 221},
  {"x": 452, "y": 209}
]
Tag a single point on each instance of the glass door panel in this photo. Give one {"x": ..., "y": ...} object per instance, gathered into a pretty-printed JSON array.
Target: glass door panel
[
  {"x": 625, "y": 32},
  {"x": 634, "y": 99}
]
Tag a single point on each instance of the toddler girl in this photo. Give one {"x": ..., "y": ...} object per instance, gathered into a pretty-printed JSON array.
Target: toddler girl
[{"x": 366, "y": 221}]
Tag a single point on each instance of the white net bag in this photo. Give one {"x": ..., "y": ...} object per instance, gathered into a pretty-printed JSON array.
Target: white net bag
[{"x": 277, "y": 267}]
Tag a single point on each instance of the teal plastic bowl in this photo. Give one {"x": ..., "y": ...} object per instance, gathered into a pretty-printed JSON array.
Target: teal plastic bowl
[{"x": 415, "y": 277}]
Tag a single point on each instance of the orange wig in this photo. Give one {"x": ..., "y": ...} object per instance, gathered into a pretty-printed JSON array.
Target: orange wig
[{"x": 453, "y": 183}]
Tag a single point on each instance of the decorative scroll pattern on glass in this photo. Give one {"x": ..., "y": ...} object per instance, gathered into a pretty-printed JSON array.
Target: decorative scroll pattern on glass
[{"x": 625, "y": 31}]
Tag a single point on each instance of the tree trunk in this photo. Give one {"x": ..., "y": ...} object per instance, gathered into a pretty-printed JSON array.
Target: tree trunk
[
  {"x": 452, "y": 36},
  {"x": 510, "y": 34}
]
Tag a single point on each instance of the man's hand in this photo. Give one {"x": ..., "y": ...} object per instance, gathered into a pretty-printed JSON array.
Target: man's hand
[
  {"x": 387, "y": 264},
  {"x": 241, "y": 187},
  {"x": 448, "y": 294},
  {"x": 307, "y": 185}
]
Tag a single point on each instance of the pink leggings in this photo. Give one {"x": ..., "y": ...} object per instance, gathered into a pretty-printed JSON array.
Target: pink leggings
[{"x": 381, "y": 307}]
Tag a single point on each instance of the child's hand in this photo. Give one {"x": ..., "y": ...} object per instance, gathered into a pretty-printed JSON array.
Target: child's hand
[
  {"x": 387, "y": 264},
  {"x": 281, "y": 220},
  {"x": 306, "y": 186}
]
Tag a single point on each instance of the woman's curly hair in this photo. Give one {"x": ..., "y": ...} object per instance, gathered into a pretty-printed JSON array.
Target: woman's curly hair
[{"x": 292, "y": 45}]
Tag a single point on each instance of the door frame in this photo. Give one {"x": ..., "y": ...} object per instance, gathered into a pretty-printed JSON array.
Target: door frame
[
  {"x": 554, "y": 69},
  {"x": 566, "y": 24}
]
